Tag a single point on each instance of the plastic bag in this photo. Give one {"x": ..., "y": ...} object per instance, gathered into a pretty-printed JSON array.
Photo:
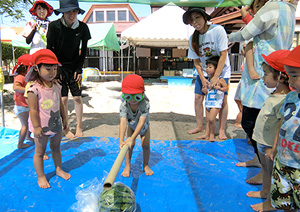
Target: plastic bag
[{"x": 87, "y": 195}]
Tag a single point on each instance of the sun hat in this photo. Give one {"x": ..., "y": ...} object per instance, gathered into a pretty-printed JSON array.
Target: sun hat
[
  {"x": 25, "y": 60},
  {"x": 273, "y": 58},
  {"x": 133, "y": 84},
  {"x": 292, "y": 59},
  {"x": 68, "y": 5},
  {"x": 186, "y": 16},
  {"x": 44, "y": 56},
  {"x": 49, "y": 7}
]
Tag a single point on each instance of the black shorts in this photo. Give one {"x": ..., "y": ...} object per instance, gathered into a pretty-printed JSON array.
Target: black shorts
[{"x": 68, "y": 82}]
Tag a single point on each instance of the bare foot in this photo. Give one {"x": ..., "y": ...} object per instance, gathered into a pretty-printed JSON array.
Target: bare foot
[
  {"x": 256, "y": 180},
  {"x": 126, "y": 172},
  {"x": 222, "y": 136},
  {"x": 69, "y": 134},
  {"x": 203, "y": 137},
  {"x": 78, "y": 132},
  {"x": 61, "y": 173},
  {"x": 43, "y": 182},
  {"x": 45, "y": 157},
  {"x": 194, "y": 131},
  {"x": 264, "y": 206},
  {"x": 148, "y": 171},
  {"x": 23, "y": 146},
  {"x": 238, "y": 125},
  {"x": 253, "y": 162},
  {"x": 211, "y": 138},
  {"x": 257, "y": 194}
]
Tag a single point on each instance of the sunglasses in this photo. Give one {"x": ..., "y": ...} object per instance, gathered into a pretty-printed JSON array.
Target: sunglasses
[{"x": 137, "y": 97}]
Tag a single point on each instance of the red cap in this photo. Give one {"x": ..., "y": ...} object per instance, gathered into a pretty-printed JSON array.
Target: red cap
[
  {"x": 292, "y": 59},
  {"x": 25, "y": 60},
  {"x": 272, "y": 59},
  {"x": 49, "y": 7},
  {"x": 133, "y": 84},
  {"x": 45, "y": 56}
]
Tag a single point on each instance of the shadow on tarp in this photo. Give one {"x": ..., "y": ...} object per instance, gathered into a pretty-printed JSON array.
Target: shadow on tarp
[{"x": 189, "y": 175}]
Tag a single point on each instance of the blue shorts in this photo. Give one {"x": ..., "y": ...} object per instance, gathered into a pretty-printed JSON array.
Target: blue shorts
[
  {"x": 20, "y": 109},
  {"x": 198, "y": 85}
]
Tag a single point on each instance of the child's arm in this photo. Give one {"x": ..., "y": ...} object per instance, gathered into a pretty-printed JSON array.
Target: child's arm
[
  {"x": 221, "y": 85},
  {"x": 34, "y": 115},
  {"x": 136, "y": 132},
  {"x": 270, "y": 153},
  {"x": 250, "y": 61},
  {"x": 122, "y": 129},
  {"x": 244, "y": 11},
  {"x": 17, "y": 87}
]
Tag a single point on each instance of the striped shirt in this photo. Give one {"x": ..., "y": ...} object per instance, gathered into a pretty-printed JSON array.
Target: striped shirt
[{"x": 264, "y": 24}]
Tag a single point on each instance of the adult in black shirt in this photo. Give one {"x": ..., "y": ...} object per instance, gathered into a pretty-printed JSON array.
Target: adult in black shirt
[{"x": 67, "y": 37}]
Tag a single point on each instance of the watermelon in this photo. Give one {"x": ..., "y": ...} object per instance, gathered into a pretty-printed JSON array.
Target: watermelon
[{"x": 119, "y": 198}]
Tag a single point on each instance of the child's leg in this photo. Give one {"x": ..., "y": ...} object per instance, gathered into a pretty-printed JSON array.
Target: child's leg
[
  {"x": 146, "y": 152},
  {"x": 38, "y": 162},
  {"x": 126, "y": 171},
  {"x": 24, "y": 129},
  {"x": 205, "y": 136},
  {"x": 56, "y": 155},
  {"x": 212, "y": 123},
  {"x": 267, "y": 166},
  {"x": 223, "y": 118}
]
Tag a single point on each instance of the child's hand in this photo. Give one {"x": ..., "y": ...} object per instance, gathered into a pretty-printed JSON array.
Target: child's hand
[
  {"x": 38, "y": 132},
  {"x": 121, "y": 144},
  {"x": 205, "y": 90},
  {"x": 217, "y": 87},
  {"x": 129, "y": 142},
  {"x": 270, "y": 153}
]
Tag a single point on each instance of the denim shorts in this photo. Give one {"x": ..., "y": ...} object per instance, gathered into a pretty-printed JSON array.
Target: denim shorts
[
  {"x": 20, "y": 109},
  {"x": 262, "y": 148},
  {"x": 198, "y": 85}
]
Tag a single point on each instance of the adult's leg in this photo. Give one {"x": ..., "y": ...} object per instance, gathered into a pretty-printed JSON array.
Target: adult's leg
[
  {"x": 146, "y": 152},
  {"x": 67, "y": 132},
  {"x": 79, "y": 112},
  {"x": 198, "y": 106}
]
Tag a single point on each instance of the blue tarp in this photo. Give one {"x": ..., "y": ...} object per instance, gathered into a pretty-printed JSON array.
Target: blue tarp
[{"x": 188, "y": 175}]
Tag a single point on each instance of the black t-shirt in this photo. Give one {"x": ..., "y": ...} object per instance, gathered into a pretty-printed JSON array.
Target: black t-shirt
[{"x": 65, "y": 43}]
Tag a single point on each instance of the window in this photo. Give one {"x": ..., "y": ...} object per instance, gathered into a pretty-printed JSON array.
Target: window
[
  {"x": 90, "y": 20},
  {"x": 99, "y": 16},
  {"x": 131, "y": 18},
  {"x": 110, "y": 16},
  {"x": 122, "y": 15}
]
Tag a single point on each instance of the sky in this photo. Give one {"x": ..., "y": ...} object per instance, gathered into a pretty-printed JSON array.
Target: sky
[{"x": 141, "y": 10}]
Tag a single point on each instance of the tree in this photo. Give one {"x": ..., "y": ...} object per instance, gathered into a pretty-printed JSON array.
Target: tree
[
  {"x": 7, "y": 54},
  {"x": 14, "y": 8}
]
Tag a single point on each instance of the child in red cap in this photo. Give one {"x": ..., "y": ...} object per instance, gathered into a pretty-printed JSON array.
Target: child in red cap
[
  {"x": 21, "y": 108},
  {"x": 134, "y": 112},
  {"x": 285, "y": 182},
  {"x": 269, "y": 118},
  {"x": 36, "y": 29},
  {"x": 46, "y": 110}
]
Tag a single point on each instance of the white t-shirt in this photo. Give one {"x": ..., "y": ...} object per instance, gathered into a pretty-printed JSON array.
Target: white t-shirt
[{"x": 212, "y": 43}]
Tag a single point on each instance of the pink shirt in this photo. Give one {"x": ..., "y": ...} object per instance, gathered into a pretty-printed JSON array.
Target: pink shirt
[
  {"x": 19, "y": 97},
  {"x": 48, "y": 108}
]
